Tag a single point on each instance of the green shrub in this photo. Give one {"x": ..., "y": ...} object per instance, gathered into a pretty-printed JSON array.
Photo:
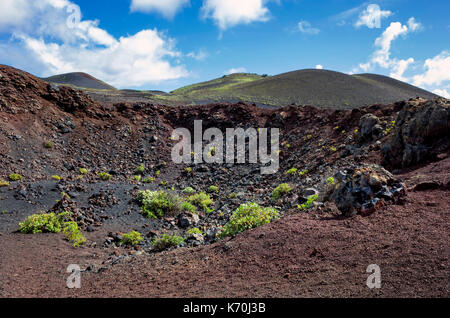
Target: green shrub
[
  {"x": 132, "y": 238},
  {"x": 291, "y": 171},
  {"x": 44, "y": 223},
  {"x": 188, "y": 169},
  {"x": 104, "y": 176},
  {"x": 213, "y": 189},
  {"x": 309, "y": 203},
  {"x": 140, "y": 170},
  {"x": 333, "y": 149},
  {"x": 15, "y": 177},
  {"x": 232, "y": 195},
  {"x": 188, "y": 207},
  {"x": 331, "y": 181},
  {"x": 148, "y": 180},
  {"x": 281, "y": 191},
  {"x": 303, "y": 173},
  {"x": 4, "y": 183},
  {"x": 189, "y": 190},
  {"x": 248, "y": 216},
  {"x": 84, "y": 171},
  {"x": 57, "y": 178},
  {"x": 155, "y": 204},
  {"x": 48, "y": 144},
  {"x": 167, "y": 241},
  {"x": 137, "y": 178},
  {"x": 201, "y": 200},
  {"x": 73, "y": 234},
  {"x": 195, "y": 230}
]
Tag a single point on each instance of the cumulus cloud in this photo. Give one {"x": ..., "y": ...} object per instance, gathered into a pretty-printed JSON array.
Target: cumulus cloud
[
  {"x": 319, "y": 67},
  {"x": 55, "y": 37},
  {"x": 435, "y": 75},
  {"x": 442, "y": 92},
  {"x": 168, "y": 8},
  {"x": 372, "y": 16},
  {"x": 305, "y": 27},
  {"x": 236, "y": 70},
  {"x": 437, "y": 71},
  {"x": 229, "y": 13},
  {"x": 382, "y": 55}
]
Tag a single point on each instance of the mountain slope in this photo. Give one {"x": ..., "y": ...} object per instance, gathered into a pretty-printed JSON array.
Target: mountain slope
[{"x": 79, "y": 80}]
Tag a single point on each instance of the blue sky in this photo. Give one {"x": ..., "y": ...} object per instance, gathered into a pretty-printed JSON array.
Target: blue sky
[{"x": 166, "y": 44}]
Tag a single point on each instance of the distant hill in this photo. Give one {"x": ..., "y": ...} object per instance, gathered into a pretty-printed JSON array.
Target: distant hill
[
  {"x": 320, "y": 88},
  {"x": 305, "y": 87},
  {"x": 79, "y": 80}
]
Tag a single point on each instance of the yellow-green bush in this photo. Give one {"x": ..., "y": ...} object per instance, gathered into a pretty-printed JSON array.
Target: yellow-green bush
[
  {"x": 132, "y": 238},
  {"x": 248, "y": 216}
]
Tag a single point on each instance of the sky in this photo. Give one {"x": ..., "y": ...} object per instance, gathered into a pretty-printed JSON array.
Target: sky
[{"x": 167, "y": 44}]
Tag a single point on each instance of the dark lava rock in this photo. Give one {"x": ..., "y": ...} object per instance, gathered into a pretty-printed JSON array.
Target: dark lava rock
[
  {"x": 422, "y": 131},
  {"x": 363, "y": 189}
]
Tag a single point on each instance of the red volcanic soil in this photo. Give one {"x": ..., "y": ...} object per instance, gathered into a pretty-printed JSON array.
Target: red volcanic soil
[
  {"x": 303, "y": 255},
  {"x": 317, "y": 253}
]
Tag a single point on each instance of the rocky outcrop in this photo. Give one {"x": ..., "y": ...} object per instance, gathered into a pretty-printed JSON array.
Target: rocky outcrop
[
  {"x": 363, "y": 189},
  {"x": 422, "y": 131},
  {"x": 369, "y": 128}
]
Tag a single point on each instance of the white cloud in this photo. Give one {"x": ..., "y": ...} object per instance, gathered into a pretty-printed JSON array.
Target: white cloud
[
  {"x": 229, "y": 13},
  {"x": 199, "y": 55},
  {"x": 372, "y": 16},
  {"x": 236, "y": 70},
  {"x": 382, "y": 56},
  {"x": 305, "y": 27},
  {"x": 442, "y": 92},
  {"x": 413, "y": 25},
  {"x": 12, "y": 13},
  {"x": 56, "y": 40},
  {"x": 399, "y": 67},
  {"x": 319, "y": 67},
  {"x": 437, "y": 71},
  {"x": 168, "y": 8}
]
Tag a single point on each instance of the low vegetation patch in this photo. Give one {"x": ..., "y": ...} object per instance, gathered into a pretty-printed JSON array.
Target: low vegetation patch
[
  {"x": 291, "y": 171},
  {"x": 4, "y": 183},
  {"x": 140, "y": 170},
  {"x": 56, "y": 177},
  {"x": 248, "y": 216},
  {"x": 132, "y": 238},
  {"x": 281, "y": 191},
  {"x": 73, "y": 234},
  {"x": 188, "y": 207},
  {"x": 104, "y": 176},
  {"x": 148, "y": 180},
  {"x": 189, "y": 190},
  {"x": 157, "y": 204},
  {"x": 48, "y": 145},
  {"x": 309, "y": 203},
  {"x": 213, "y": 189},
  {"x": 167, "y": 241},
  {"x": 201, "y": 200},
  {"x": 194, "y": 231},
  {"x": 44, "y": 223},
  {"x": 137, "y": 178},
  {"x": 84, "y": 171},
  {"x": 15, "y": 177}
]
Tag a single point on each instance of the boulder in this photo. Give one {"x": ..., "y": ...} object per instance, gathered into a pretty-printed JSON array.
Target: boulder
[
  {"x": 368, "y": 127},
  {"x": 365, "y": 188},
  {"x": 422, "y": 131}
]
